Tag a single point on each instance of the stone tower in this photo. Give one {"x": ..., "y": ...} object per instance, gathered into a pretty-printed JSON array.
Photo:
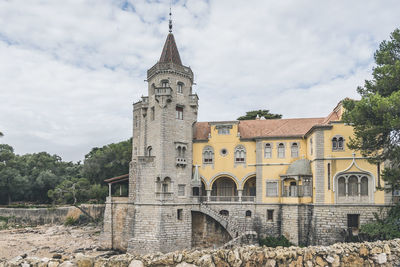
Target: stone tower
[{"x": 161, "y": 167}]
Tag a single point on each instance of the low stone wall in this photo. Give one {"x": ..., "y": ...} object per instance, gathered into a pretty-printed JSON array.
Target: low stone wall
[
  {"x": 380, "y": 253},
  {"x": 39, "y": 216}
]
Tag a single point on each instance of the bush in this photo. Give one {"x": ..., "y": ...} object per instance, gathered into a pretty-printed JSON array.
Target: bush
[
  {"x": 274, "y": 242},
  {"x": 69, "y": 221}
]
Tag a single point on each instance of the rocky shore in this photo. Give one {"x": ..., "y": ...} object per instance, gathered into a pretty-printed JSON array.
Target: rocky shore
[{"x": 380, "y": 253}]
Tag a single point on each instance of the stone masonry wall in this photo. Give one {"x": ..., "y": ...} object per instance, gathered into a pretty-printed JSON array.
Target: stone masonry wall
[
  {"x": 39, "y": 216},
  {"x": 380, "y": 253}
]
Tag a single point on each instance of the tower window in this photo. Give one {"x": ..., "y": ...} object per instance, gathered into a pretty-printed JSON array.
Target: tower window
[
  {"x": 181, "y": 190},
  {"x": 180, "y": 88},
  {"x": 337, "y": 143},
  {"x": 208, "y": 155},
  {"x": 164, "y": 83},
  {"x": 248, "y": 213},
  {"x": 179, "y": 214},
  {"x": 149, "y": 151},
  {"x": 179, "y": 113},
  {"x": 270, "y": 215},
  {"x": 152, "y": 115}
]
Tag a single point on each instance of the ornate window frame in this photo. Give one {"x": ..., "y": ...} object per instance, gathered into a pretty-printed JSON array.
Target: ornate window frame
[
  {"x": 270, "y": 147},
  {"x": 240, "y": 155},
  {"x": 278, "y": 147},
  {"x": 291, "y": 149},
  {"x": 337, "y": 143},
  {"x": 208, "y": 155}
]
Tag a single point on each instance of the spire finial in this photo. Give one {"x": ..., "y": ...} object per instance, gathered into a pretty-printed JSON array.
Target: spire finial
[{"x": 170, "y": 17}]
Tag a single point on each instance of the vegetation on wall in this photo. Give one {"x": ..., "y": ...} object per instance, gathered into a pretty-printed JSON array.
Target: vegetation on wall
[
  {"x": 45, "y": 178},
  {"x": 252, "y": 115},
  {"x": 376, "y": 117}
]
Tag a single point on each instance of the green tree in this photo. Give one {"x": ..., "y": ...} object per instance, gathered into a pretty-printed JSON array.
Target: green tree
[
  {"x": 252, "y": 115},
  {"x": 376, "y": 117},
  {"x": 106, "y": 162},
  {"x": 1, "y": 134}
]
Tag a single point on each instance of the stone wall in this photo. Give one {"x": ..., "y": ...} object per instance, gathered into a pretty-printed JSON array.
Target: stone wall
[
  {"x": 39, "y": 216},
  {"x": 380, "y": 253}
]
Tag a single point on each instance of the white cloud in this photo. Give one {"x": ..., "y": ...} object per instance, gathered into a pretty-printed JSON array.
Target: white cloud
[{"x": 71, "y": 69}]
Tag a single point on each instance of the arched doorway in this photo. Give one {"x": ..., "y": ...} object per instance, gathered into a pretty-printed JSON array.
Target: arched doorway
[
  {"x": 249, "y": 189},
  {"x": 224, "y": 189}
]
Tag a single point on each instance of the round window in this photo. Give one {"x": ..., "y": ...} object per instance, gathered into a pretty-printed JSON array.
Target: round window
[{"x": 224, "y": 152}]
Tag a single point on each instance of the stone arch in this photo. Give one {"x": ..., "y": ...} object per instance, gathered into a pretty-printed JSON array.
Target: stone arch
[
  {"x": 224, "y": 174},
  {"x": 348, "y": 187},
  {"x": 245, "y": 178}
]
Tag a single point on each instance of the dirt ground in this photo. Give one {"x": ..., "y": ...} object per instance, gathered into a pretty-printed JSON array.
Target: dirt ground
[{"x": 49, "y": 240}]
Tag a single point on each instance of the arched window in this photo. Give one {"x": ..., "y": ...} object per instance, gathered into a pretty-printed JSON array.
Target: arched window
[
  {"x": 180, "y": 88},
  {"x": 353, "y": 186},
  {"x": 364, "y": 186},
  {"x": 268, "y": 151},
  {"x": 342, "y": 186},
  {"x": 208, "y": 155},
  {"x": 248, "y": 213},
  {"x": 183, "y": 152},
  {"x": 149, "y": 151},
  {"x": 281, "y": 150},
  {"x": 337, "y": 143},
  {"x": 164, "y": 83},
  {"x": 295, "y": 150},
  {"x": 240, "y": 154},
  {"x": 166, "y": 185},
  {"x": 179, "y": 152}
]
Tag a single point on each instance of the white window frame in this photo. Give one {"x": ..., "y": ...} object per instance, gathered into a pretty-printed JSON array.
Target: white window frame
[{"x": 275, "y": 186}]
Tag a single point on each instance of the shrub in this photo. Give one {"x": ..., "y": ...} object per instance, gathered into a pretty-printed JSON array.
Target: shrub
[
  {"x": 70, "y": 221},
  {"x": 274, "y": 242}
]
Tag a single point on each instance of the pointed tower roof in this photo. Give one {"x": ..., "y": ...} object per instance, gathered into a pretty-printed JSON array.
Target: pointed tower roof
[{"x": 170, "y": 51}]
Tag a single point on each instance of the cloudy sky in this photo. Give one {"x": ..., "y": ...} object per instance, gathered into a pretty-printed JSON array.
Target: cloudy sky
[{"x": 70, "y": 70}]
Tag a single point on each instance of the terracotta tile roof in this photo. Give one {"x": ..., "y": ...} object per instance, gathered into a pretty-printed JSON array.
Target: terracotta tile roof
[
  {"x": 201, "y": 131},
  {"x": 170, "y": 51},
  {"x": 117, "y": 178},
  {"x": 277, "y": 128}
]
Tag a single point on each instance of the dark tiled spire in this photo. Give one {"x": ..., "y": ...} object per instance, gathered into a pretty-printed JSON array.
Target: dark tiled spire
[{"x": 170, "y": 52}]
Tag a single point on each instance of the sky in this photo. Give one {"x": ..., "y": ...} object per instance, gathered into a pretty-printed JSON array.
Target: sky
[{"x": 70, "y": 70}]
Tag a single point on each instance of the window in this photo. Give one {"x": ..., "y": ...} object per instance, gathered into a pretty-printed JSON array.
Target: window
[
  {"x": 179, "y": 214},
  {"x": 268, "y": 151},
  {"x": 135, "y": 151},
  {"x": 224, "y": 130},
  {"x": 364, "y": 186},
  {"x": 136, "y": 121},
  {"x": 311, "y": 147},
  {"x": 337, "y": 143},
  {"x": 281, "y": 150},
  {"x": 353, "y": 220},
  {"x": 240, "y": 154},
  {"x": 270, "y": 215},
  {"x": 248, "y": 213},
  {"x": 181, "y": 190},
  {"x": 179, "y": 113},
  {"x": 208, "y": 155},
  {"x": 180, "y": 88},
  {"x": 152, "y": 115},
  {"x": 342, "y": 186},
  {"x": 329, "y": 176},
  {"x": 295, "y": 150},
  {"x": 272, "y": 189},
  {"x": 353, "y": 186},
  {"x": 149, "y": 150},
  {"x": 164, "y": 83},
  {"x": 165, "y": 185}
]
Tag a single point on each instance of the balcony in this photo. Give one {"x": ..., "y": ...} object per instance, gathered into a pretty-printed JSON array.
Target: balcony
[
  {"x": 193, "y": 99},
  {"x": 235, "y": 199},
  {"x": 297, "y": 191},
  {"x": 163, "y": 91},
  {"x": 180, "y": 162},
  {"x": 163, "y": 196}
]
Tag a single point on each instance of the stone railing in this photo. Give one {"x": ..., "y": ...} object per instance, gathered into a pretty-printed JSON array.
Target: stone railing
[{"x": 380, "y": 253}]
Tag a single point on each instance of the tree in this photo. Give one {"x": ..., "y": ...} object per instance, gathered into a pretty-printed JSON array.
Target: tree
[
  {"x": 1, "y": 134},
  {"x": 376, "y": 117},
  {"x": 252, "y": 115},
  {"x": 106, "y": 162}
]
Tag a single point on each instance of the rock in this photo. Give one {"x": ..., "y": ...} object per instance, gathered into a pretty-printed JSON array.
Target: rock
[
  {"x": 386, "y": 249},
  {"x": 184, "y": 264},
  {"x": 299, "y": 261},
  {"x": 363, "y": 251},
  {"x": 136, "y": 263},
  {"x": 83, "y": 260},
  {"x": 206, "y": 261},
  {"x": 309, "y": 264},
  {"x": 270, "y": 263},
  {"x": 25, "y": 264},
  {"x": 320, "y": 261},
  {"x": 376, "y": 250},
  {"x": 330, "y": 259},
  {"x": 380, "y": 258},
  {"x": 57, "y": 256},
  {"x": 67, "y": 264},
  {"x": 53, "y": 264}
]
